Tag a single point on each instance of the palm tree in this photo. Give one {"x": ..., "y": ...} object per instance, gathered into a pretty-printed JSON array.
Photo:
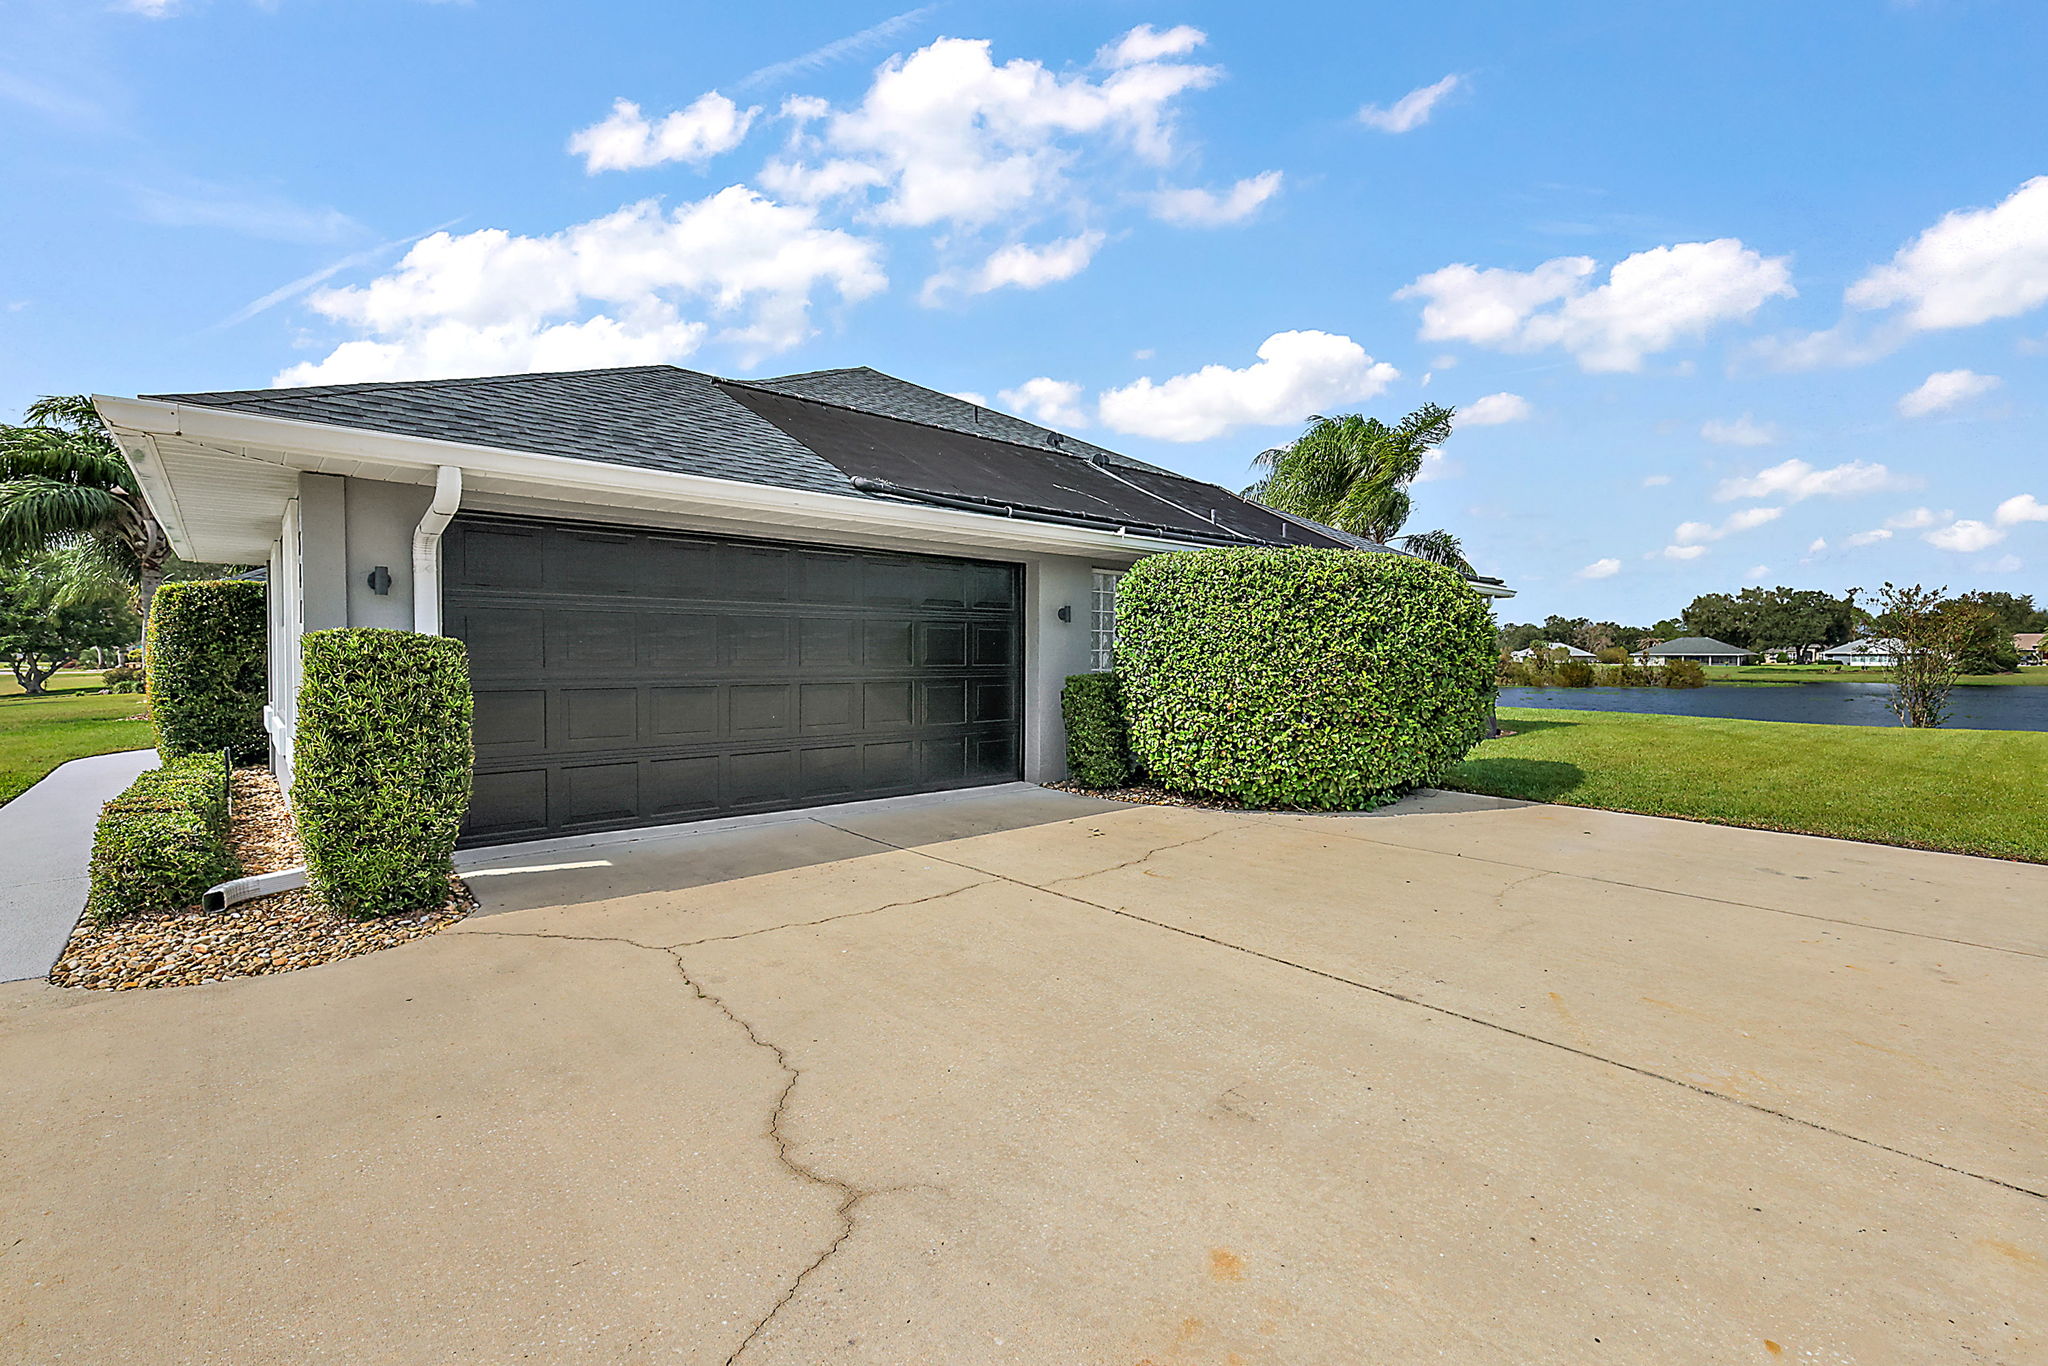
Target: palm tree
[
  {"x": 1352, "y": 472},
  {"x": 64, "y": 483}
]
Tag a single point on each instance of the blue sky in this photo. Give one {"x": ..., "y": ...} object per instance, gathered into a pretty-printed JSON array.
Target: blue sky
[{"x": 1728, "y": 294}]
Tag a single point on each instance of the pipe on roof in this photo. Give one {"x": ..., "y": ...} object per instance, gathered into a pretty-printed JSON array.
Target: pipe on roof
[{"x": 866, "y": 484}]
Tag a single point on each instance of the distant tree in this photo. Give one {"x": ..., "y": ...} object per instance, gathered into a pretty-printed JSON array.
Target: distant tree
[
  {"x": 1519, "y": 636},
  {"x": 1352, "y": 472},
  {"x": 1987, "y": 646},
  {"x": 1772, "y": 618},
  {"x": 54, "y": 607},
  {"x": 2015, "y": 613},
  {"x": 63, "y": 482}
]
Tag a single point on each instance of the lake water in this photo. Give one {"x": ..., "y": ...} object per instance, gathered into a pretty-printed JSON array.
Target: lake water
[{"x": 1994, "y": 707}]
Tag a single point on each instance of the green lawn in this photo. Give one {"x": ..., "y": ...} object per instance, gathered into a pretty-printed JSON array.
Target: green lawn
[
  {"x": 1827, "y": 673},
  {"x": 1966, "y": 791},
  {"x": 39, "y": 733}
]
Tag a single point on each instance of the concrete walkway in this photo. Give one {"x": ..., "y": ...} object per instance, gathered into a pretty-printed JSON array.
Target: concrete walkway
[
  {"x": 45, "y": 842},
  {"x": 1467, "y": 1081}
]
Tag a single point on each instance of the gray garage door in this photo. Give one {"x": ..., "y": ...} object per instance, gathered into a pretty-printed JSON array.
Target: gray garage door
[{"x": 635, "y": 678}]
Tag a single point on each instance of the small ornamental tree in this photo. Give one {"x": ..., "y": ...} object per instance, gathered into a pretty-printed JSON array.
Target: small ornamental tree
[
  {"x": 205, "y": 656},
  {"x": 49, "y": 615},
  {"x": 381, "y": 767},
  {"x": 1302, "y": 677}
]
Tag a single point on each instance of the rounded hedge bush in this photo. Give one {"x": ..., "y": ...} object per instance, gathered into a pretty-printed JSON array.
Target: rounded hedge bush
[
  {"x": 207, "y": 678},
  {"x": 1301, "y": 677},
  {"x": 381, "y": 766}
]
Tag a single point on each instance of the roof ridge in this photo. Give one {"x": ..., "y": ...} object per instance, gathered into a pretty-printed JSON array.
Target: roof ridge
[
  {"x": 371, "y": 386},
  {"x": 911, "y": 421}
]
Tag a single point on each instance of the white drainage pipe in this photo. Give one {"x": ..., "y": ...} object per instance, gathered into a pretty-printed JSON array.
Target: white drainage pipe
[
  {"x": 241, "y": 889},
  {"x": 426, "y": 550}
]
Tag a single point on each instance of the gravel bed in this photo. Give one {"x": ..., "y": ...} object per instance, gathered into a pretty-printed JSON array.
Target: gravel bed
[{"x": 276, "y": 933}]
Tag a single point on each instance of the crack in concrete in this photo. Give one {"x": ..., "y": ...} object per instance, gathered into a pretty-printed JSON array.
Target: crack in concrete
[
  {"x": 851, "y": 1196},
  {"x": 1484, "y": 1023},
  {"x": 1134, "y": 862}
]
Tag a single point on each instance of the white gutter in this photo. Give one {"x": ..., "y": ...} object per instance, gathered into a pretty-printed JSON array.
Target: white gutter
[{"x": 426, "y": 550}]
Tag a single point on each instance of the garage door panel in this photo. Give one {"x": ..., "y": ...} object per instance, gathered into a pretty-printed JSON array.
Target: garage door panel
[
  {"x": 686, "y": 714},
  {"x": 644, "y": 677}
]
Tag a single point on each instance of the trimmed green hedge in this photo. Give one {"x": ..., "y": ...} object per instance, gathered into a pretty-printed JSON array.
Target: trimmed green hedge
[
  {"x": 207, "y": 681},
  {"x": 381, "y": 766},
  {"x": 1098, "y": 747},
  {"x": 163, "y": 842},
  {"x": 1301, "y": 677}
]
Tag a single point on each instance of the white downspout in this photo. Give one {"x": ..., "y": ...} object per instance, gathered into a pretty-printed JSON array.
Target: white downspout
[{"x": 426, "y": 550}]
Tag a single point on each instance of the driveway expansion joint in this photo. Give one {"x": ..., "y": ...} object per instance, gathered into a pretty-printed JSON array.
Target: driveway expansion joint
[{"x": 1392, "y": 995}]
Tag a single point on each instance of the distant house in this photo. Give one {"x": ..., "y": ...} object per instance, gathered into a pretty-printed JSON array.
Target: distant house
[
  {"x": 2028, "y": 646},
  {"x": 1545, "y": 650},
  {"x": 1698, "y": 649},
  {"x": 1868, "y": 653}
]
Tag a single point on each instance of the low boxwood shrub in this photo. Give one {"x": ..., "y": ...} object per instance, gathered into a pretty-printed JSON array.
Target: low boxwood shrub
[
  {"x": 1301, "y": 677},
  {"x": 207, "y": 680},
  {"x": 163, "y": 842},
  {"x": 381, "y": 767},
  {"x": 1098, "y": 746}
]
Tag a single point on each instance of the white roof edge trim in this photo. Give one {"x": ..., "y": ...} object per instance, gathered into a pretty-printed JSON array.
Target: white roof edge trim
[{"x": 145, "y": 419}]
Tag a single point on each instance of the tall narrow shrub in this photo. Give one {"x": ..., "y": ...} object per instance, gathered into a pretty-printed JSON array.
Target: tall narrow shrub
[
  {"x": 1301, "y": 677},
  {"x": 1098, "y": 746},
  {"x": 381, "y": 767},
  {"x": 207, "y": 680}
]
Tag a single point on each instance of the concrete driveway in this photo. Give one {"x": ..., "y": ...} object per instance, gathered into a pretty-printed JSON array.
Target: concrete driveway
[{"x": 1468, "y": 1082}]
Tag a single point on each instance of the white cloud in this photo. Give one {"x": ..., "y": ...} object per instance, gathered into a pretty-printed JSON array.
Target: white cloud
[
  {"x": 1757, "y": 573},
  {"x": 1916, "y": 518},
  {"x": 1656, "y": 481},
  {"x": 1684, "y": 552},
  {"x": 1412, "y": 110},
  {"x": 979, "y": 400},
  {"x": 1870, "y": 537},
  {"x": 1297, "y": 374},
  {"x": 491, "y": 301},
  {"x": 1741, "y": 431},
  {"x": 1147, "y": 44},
  {"x": 1820, "y": 543},
  {"x": 1198, "y": 208},
  {"x": 1693, "y": 533},
  {"x": 151, "y": 9},
  {"x": 1796, "y": 479},
  {"x": 626, "y": 141},
  {"x": 2004, "y": 564},
  {"x": 1495, "y": 409},
  {"x": 1650, "y": 302},
  {"x": 1972, "y": 266},
  {"x": 1049, "y": 402},
  {"x": 1018, "y": 266},
  {"x": 2021, "y": 507},
  {"x": 1965, "y": 536},
  {"x": 1945, "y": 389},
  {"x": 946, "y": 135},
  {"x": 1600, "y": 569},
  {"x": 1436, "y": 465}
]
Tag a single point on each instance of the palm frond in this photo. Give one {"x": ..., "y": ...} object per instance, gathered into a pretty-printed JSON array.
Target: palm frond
[
  {"x": 1438, "y": 547},
  {"x": 37, "y": 513}
]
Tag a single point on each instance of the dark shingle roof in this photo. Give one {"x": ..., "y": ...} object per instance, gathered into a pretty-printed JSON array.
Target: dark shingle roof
[
  {"x": 654, "y": 416},
  {"x": 663, "y": 417},
  {"x": 871, "y": 391}
]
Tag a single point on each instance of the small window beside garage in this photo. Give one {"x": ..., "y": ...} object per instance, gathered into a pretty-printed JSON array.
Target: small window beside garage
[{"x": 1102, "y": 621}]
